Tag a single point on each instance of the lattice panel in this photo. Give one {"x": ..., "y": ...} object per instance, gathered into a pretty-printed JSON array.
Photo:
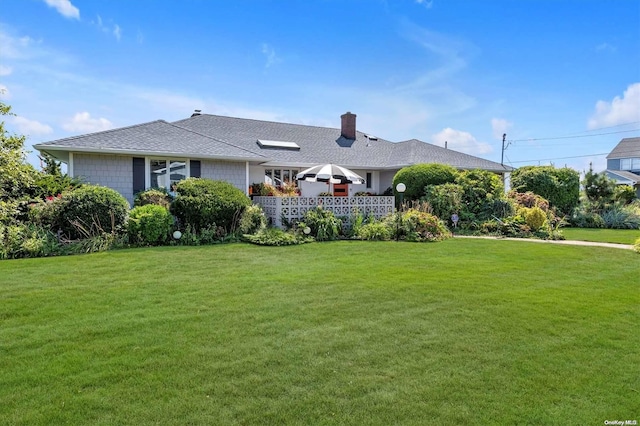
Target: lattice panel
[{"x": 294, "y": 208}]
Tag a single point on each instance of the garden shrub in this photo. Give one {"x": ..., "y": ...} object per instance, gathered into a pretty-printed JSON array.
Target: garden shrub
[
  {"x": 445, "y": 199},
  {"x": 276, "y": 237},
  {"x": 534, "y": 217},
  {"x": 149, "y": 224},
  {"x": 204, "y": 202},
  {"x": 417, "y": 225},
  {"x": 324, "y": 225},
  {"x": 582, "y": 218},
  {"x": 480, "y": 187},
  {"x": 561, "y": 187},
  {"x": 621, "y": 218},
  {"x": 497, "y": 207},
  {"x": 51, "y": 185},
  {"x": 27, "y": 240},
  {"x": 529, "y": 199},
  {"x": 252, "y": 220},
  {"x": 375, "y": 231},
  {"x": 419, "y": 176},
  {"x": 624, "y": 194},
  {"x": 87, "y": 211},
  {"x": 159, "y": 197}
]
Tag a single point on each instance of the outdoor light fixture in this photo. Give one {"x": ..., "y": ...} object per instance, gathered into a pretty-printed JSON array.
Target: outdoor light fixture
[
  {"x": 177, "y": 235},
  {"x": 400, "y": 188}
]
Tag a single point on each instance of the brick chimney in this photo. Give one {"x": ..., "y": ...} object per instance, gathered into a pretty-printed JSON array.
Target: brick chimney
[{"x": 348, "y": 125}]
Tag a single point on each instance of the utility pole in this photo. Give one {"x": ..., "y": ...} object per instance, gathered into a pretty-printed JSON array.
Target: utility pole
[{"x": 504, "y": 137}]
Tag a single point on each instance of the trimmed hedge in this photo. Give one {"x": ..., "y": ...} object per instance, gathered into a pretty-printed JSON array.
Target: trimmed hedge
[
  {"x": 149, "y": 224},
  {"x": 203, "y": 203},
  {"x": 419, "y": 176}
]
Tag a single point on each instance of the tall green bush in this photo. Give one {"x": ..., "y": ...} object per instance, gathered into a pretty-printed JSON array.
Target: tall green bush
[
  {"x": 480, "y": 188},
  {"x": 87, "y": 211},
  {"x": 560, "y": 186},
  {"x": 419, "y": 176},
  {"x": 445, "y": 199},
  {"x": 202, "y": 203}
]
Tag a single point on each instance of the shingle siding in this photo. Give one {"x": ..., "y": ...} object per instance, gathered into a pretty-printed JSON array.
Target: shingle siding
[
  {"x": 232, "y": 172},
  {"x": 113, "y": 171},
  {"x": 613, "y": 164}
]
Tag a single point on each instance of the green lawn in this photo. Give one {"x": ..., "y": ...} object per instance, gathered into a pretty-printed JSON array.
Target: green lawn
[
  {"x": 460, "y": 332},
  {"x": 620, "y": 236}
]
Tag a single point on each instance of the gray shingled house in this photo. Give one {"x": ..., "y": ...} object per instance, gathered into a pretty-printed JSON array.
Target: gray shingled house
[
  {"x": 242, "y": 151},
  {"x": 623, "y": 163}
]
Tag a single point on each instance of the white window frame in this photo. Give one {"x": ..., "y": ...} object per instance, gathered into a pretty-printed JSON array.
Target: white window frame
[{"x": 147, "y": 168}]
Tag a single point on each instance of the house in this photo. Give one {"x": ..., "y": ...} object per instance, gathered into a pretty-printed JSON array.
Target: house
[
  {"x": 243, "y": 151},
  {"x": 623, "y": 163}
]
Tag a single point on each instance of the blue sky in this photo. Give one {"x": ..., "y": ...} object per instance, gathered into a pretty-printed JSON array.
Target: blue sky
[{"x": 561, "y": 78}]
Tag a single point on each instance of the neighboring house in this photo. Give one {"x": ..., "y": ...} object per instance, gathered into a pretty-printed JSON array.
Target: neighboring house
[
  {"x": 623, "y": 163},
  {"x": 243, "y": 151}
]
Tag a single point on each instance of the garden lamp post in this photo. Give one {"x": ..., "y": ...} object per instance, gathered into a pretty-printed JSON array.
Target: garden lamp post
[{"x": 400, "y": 188}]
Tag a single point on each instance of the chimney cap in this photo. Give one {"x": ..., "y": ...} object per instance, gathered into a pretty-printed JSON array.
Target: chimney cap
[{"x": 196, "y": 112}]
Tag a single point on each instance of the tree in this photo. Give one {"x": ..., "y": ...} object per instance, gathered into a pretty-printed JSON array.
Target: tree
[
  {"x": 598, "y": 188},
  {"x": 17, "y": 177}
]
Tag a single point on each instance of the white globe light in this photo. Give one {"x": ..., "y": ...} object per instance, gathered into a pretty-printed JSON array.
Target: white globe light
[
  {"x": 401, "y": 187},
  {"x": 177, "y": 235}
]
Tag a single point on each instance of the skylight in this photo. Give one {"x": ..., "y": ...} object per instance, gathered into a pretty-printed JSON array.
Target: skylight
[{"x": 277, "y": 144}]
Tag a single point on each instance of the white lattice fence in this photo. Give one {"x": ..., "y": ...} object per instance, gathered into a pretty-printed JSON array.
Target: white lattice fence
[{"x": 294, "y": 208}]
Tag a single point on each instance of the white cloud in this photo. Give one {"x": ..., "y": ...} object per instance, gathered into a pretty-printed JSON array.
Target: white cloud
[
  {"x": 426, "y": 3},
  {"x": 65, "y": 8},
  {"x": 605, "y": 47},
  {"x": 82, "y": 122},
  {"x": 5, "y": 70},
  {"x": 619, "y": 110},
  {"x": 30, "y": 127},
  {"x": 270, "y": 54},
  {"x": 117, "y": 31},
  {"x": 4, "y": 92},
  {"x": 500, "y": 127},
  {"x": 461, "y": 141},
  {"x": 14, "y": 47}
]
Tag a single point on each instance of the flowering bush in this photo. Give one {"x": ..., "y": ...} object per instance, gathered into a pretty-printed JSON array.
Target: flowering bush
[{"x": 417, "y": 225}]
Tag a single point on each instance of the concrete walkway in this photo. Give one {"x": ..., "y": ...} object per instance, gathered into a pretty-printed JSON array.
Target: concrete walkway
[{"x": 565, "y": 242}]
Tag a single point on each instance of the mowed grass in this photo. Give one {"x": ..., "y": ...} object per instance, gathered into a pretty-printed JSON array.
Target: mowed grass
[
  {"x": 619, "y": 236},
  {"x": 460, "y": 332}
]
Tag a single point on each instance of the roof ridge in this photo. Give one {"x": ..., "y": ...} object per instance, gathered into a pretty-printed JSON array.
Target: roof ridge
[
  {"x": 216, "y": 139},
  {"x": 104, "y": 131},
  {"x": 276, "y": 122}
]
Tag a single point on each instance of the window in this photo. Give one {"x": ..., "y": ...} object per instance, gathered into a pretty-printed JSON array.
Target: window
[
  {"x": 279, "y": 177},
  {"x": 630, "y": 164},
  {"x": 368, "y": 180},
  {"x": 166, "y": 173}
]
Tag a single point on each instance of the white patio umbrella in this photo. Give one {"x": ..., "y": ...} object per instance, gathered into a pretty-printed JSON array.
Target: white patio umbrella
[{"x": 330, "y": 173}]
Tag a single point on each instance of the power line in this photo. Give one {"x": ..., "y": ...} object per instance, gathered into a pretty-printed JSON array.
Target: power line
[
  {"x": 558, "y": 158},
  {"x": 573, "y": 137}
]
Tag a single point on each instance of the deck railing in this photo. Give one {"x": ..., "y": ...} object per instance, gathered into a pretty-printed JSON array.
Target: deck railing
[{"x": 290, "y": 209}]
